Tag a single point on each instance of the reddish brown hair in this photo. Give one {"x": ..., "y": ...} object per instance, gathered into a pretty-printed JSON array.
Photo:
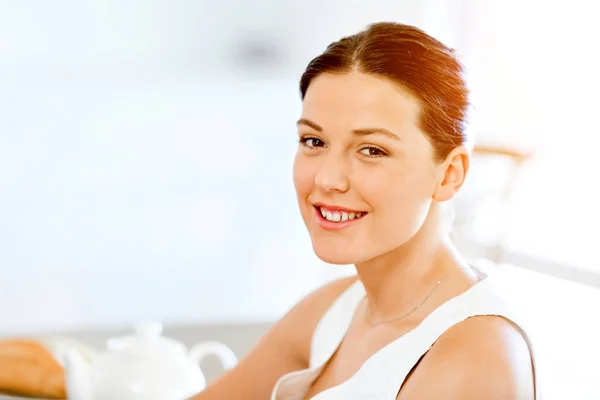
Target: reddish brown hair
[{"x": 417, "y": 62}]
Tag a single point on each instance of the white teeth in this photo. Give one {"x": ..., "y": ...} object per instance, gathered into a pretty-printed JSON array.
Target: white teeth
[{"x": 339, "y": 216}]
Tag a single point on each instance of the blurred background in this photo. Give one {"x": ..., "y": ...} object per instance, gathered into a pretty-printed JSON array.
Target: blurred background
[{"x": 146, "y": 151}]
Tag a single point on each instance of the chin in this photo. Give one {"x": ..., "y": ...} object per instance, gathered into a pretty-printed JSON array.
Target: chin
[{"x": 337, "y": 256}]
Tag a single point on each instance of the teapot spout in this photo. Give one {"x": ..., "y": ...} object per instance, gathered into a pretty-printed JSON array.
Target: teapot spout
[{"x": 77, "y": 376}]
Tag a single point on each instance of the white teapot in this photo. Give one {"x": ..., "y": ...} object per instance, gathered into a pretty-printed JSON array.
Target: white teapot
[{"x": 142, "y": 366}]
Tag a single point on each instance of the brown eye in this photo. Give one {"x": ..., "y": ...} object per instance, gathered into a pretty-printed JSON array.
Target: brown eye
[
  {"x": 312, "y": 142},
  {"x": 372, "y": 152}
]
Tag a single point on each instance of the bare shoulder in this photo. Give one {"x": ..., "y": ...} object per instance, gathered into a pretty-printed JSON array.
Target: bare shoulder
[
  {"x": 303, "y": 318},
  {"x": 321, "y": 298},
  {"x": 292, "y": 334},
  {"x": 481, "y": 357},
  {"x": 283, "y": 349}
]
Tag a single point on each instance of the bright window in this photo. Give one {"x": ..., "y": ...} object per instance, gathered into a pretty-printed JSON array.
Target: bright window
[{"x": 534, "y": 71}]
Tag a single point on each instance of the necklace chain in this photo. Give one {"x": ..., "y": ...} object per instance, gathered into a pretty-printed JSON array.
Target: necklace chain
[{"x": 403, "y": 316}]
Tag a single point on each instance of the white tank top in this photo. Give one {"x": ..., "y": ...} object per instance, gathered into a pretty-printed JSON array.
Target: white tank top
[{"x": 382, "y": 375}]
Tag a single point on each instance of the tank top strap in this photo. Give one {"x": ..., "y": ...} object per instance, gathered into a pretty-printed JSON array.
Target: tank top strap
[
  {"x": 383, "y": 374},
  {"x": 334, "y": 324},
  {"x": 479, "y": 300}
]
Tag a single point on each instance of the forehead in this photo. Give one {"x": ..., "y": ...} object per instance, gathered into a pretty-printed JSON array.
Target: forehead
[{"x": 356, "y": 100}]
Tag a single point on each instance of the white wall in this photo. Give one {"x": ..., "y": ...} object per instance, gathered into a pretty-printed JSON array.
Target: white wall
[{"x": 150, "y": 201}]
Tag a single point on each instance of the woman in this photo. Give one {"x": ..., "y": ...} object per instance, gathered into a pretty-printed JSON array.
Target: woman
[{"x": 382, "y": 147}]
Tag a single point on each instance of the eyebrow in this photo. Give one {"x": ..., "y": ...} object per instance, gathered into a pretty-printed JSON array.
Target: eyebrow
[{"x": 360, "y": 132}]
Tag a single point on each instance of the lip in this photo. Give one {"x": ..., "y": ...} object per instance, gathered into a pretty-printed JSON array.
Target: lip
[
  {"x": 336, "y": 208},
  {"x": 334, "y": 226}
]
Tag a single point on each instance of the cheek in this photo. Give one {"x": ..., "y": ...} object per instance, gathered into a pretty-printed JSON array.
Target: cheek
[
  {"x": 403, "y": 192},
  {"x": 303, "y": 177},
  {"x": 400, "y": 210}
]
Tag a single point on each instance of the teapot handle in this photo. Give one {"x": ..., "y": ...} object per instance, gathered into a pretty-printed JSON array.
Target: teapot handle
[{"x": 224, "y": 353}]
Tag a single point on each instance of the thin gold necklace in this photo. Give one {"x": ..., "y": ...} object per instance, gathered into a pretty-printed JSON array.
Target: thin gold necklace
[{"x": 405, "y": 315}]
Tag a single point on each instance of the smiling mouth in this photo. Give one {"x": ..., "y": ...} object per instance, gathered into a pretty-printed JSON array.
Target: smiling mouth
[{"x": 339, "y": 215}]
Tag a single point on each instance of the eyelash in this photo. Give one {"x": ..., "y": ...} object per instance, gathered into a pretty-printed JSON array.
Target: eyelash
[
  {"x": 304, "y": 142},
  {"x": 382, "y": 153}
]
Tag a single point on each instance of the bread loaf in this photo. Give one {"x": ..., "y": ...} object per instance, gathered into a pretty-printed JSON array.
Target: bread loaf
[{"x": 29, "y": 369}]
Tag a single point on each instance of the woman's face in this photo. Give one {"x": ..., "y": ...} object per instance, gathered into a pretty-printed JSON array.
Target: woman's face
[{"x": 364, "y": 173}]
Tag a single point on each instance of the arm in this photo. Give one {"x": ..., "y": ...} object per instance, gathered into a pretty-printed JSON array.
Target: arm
[
  {"x": 284, "y": 348},
  {"x": 28, "y": 369},
  {"x": 480, "y": 358}
]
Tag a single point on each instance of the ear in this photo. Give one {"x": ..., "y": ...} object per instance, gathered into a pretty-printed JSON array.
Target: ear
[{"x": 453, "y": 172}]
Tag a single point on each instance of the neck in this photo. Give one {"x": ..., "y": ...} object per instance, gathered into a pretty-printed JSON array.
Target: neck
[{"x": 400, "y": 279}]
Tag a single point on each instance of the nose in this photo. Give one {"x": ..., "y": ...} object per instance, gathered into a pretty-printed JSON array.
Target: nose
[{"x": 332, "y": 175}]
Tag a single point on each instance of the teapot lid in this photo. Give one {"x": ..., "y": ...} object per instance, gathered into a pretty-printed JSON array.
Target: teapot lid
[{"x": 147, "y": 340}]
